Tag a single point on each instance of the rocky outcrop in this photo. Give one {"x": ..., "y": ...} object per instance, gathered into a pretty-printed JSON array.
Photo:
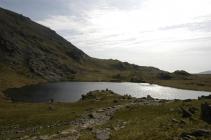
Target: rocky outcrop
[
  {"x": 206, "y": 112},
  {"x": 204, "y": 97},
  {"x": 195, "y": 134},
  {"x": 50, "y": 68},
  {"x": 186, "y": 113}
]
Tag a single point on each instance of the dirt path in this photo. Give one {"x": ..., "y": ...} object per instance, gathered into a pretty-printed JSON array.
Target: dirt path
[{"x": 86, "y": 121}]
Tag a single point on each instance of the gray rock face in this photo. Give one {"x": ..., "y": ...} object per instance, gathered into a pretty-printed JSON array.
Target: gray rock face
[
  {"x": 49, "y": 68},
  {"x": 28, "y": 47},
  {"x": 34, "y": 51},
  {"x": 206, "y": 112}
]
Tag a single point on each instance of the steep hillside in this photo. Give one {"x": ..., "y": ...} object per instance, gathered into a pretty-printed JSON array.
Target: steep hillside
[{"x": 31, "y": 53}]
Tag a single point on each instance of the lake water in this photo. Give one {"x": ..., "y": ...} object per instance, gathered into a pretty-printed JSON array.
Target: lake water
[{"x": 72, "y": 91}]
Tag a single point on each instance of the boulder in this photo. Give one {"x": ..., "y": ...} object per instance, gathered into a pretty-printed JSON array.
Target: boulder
[
  {"x": 186, "y": 113},
  {"x": 94, "y": 115},
  {"x": 195, "y": 134},
  {"x": 201, "y": 133},
  {"x": 206, "y": 112},
  {"x": 149, "y": 97},
  {"x": 186, "y": 136}
]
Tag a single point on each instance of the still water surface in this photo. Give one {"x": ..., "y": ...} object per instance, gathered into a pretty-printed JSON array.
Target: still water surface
[{"x": 72, "y": 91}]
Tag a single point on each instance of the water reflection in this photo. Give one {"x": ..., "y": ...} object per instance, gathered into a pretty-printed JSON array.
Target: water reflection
[{"x": 72, "y": 91}]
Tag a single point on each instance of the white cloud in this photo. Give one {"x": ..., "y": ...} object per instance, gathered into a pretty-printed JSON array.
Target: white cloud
[{"x": 151, "y": 32}]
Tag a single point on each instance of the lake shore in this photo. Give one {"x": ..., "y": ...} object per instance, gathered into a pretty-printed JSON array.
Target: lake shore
[
  {"x": 101, "y": 115},
  {"x": 198, "y": 83}
]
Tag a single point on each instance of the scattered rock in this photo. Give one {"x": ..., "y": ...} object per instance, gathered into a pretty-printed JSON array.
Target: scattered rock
[
  {"x": 120, "y": 125},
  {"x": 100, "y": 110},
  {"x": 91, "y": 115},
  {"x": 103, "y": 134},
  {"x": 186, "y": 136},
  {"x": 195, "y": 134},
  {"x": 201, "y": 133},
  {"x": 186, "y": 113},
  {"x": 175, "y": 120},
  {"x": 182, "y": 122},
  {"x": 64, "y": 133},
  {"x": 98, "y": 99}
]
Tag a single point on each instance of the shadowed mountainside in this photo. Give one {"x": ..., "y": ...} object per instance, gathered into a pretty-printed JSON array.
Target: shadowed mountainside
[{"x": 31, "y": 53}]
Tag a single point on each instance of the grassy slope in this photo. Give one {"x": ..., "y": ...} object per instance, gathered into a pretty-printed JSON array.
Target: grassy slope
[
  {"x": 155, "y": 122},
  {"x": 196, "y": 82},
  {"x": 143, "y": 121},
  {"x": 24, "y": 116}
]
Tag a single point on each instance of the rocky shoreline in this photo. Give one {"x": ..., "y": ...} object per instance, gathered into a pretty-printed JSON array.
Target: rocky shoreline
[
  {"x": 94, "y": 120},
  {"x": 91, "y": 119}
]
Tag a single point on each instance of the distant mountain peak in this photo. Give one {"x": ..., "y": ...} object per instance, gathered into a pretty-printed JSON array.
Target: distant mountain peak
[{"x": 206, "y": 72}]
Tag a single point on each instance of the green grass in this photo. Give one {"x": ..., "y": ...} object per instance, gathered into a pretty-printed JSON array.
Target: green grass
[
  {"x": 23, "y": 116},
  {"x": 152, "y": 122},
  {"x": 145, "y": 122},
  {"x": 9, "y": 78},
  {"x": 194, "y": 82}
]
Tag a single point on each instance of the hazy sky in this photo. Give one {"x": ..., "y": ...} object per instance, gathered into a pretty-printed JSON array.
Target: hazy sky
[{"x": 168, "y": 34}]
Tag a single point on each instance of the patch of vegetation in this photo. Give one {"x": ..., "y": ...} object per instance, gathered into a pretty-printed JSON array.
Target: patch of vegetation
[
  {"x": 181, "y": 72},
  {"x": 134, "y": 118},
  {"x": 156, "y": 121},
  {"x": 164, "y": 76},
  {"x": 32, "y": 119},
  {"x": 193, "y": 82}
]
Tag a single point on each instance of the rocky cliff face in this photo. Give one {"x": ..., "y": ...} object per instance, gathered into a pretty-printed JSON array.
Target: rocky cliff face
[
  {"x": 26, "y": 45},
  {"x": 32, "y": 51}
]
